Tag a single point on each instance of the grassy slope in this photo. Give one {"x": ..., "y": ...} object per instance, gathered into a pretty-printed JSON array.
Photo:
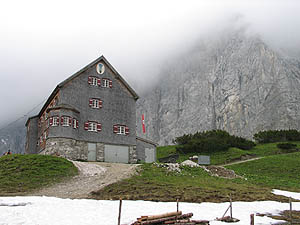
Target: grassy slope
[
  {"x": 192, "y": 185},
  {"x": 277, "y": 171},
  {"x": 233, "y": 154},
  {"x": 195, "y": 185},
  {"x": 23, "y": 173}
]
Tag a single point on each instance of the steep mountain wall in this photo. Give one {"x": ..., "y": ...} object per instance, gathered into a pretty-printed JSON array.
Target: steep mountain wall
[{"x": 236, "y": 83}]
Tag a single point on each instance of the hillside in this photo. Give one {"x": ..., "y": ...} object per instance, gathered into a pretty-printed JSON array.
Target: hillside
[
  {"x": 273, "y": 169},
  {"x": 235, "y": 82},
  {"x": 24, "y": 173}
]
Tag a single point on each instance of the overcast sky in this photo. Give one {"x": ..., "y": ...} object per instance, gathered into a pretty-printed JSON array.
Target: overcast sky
[{"x": 44, "y": 42}]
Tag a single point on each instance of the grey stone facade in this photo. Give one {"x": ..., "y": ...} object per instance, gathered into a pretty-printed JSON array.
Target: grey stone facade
[{"x": 71, "y": 99}]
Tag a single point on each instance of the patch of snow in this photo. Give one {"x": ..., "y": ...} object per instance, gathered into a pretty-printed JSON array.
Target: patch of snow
[
  {"x": 293, "y": 195},
  {"x": 56, "y": 211}
]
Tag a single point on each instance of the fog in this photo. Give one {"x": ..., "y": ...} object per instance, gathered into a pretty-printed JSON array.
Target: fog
[{"x": 42, "y": 43}]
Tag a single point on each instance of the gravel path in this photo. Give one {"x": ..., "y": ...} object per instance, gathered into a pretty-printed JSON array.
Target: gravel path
[{"x": 92, "y": 177}]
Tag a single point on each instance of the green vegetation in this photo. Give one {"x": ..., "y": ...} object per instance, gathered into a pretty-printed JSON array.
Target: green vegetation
[
  {"x": 211, "y": 141},
  {"x": 191, "y": 185},
  {"x": 216, "y": 158},
  {"x": 23, "y": 173},
  {"x": 270, "y": 136},
  {"x": 277, "y": 171}
]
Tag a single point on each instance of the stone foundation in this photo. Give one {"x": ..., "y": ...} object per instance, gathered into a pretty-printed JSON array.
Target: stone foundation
[{"x": 78, "y": 150}]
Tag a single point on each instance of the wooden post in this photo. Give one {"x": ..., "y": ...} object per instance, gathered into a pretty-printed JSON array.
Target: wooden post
[
  {"x": 252, "y": 219},
  {"x": 120, "y": 209},
  {"x": 230, "y": 207},
  {"x": 177, "y": 205},
  {"x": 291, "y": 210}
]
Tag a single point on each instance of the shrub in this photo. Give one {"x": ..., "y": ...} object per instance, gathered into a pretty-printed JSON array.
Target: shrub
[
  {"x": 276, "y": 136},
  {"x": 210, "y": 141},
  {"x": 286, "y": 146}
]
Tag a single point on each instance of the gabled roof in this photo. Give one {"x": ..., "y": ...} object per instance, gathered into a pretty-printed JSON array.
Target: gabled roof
[{"x": 101, "y": 58}]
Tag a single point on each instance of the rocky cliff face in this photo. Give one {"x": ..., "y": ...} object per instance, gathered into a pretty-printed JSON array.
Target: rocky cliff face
[
  {"x": 13, "y": 137},
  {"x": 236, "y": 83}
]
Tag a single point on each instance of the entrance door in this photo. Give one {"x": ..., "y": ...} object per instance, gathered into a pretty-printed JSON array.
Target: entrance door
[
  {"x": 116, "y": 153},
  {"x": 149, "y": 155},
  {"x": 91, "y": 152}
]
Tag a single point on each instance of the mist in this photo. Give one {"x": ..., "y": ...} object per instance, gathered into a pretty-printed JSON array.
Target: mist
[{"x": 43, "y": 43}]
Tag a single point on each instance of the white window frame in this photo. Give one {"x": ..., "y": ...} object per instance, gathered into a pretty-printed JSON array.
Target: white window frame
[
  {"x": 92, "y": 126},
  {"x": 121, "y": 129},
  {"x": 65, "y": 121},
  {"x": 45, "y": 135},
  {"x": 105, "y": 82},
  {"x": 75, "y": 123},
  {"x": 55, "y": 121},
  {"x": 94, "y": 81},
  {"x": 95, "y": 104}
]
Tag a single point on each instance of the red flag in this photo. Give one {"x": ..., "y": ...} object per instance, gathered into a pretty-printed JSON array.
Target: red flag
[{"x": 143, "y": 123}]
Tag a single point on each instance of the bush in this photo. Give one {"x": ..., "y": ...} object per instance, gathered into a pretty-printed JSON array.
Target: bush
[
  {"x": 286, "y": 146},
  {"x": 210, "y": 141},
  {"x": 276, "y": 136}
]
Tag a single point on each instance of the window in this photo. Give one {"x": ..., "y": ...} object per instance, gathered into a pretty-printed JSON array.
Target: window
[
  {"x": 92, "y": 126},
  {"x": 66, "y": 121},
  {"x": 100, "y": 68},
  {"x": 55, "y": 122},
  {"x": 106, "y": 83},
  {"x": 121, "y": 129},
  {"x": 75, "y": 123},
  {"x": 95, "y": 103},
  {"x": 94, "y": 81}
]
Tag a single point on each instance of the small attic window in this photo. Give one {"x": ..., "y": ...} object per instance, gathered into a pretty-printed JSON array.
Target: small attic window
[{"x": 100, "y": 68}]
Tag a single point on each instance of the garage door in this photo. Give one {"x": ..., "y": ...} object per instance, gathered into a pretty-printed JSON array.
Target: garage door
[
  {"x": 149, "y": 155},
  {"x": 115, "y": 153}
]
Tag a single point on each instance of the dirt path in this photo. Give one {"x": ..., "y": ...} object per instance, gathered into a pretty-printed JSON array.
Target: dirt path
[
  {"x": 238, "y": 162},
  {"x": 92, "y": 177}
]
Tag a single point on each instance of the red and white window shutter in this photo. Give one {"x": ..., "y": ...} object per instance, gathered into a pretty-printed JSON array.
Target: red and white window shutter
[
  {"x": 86, "y": 125},
  {"x": 99, "y": 127},
  {"x": 126, "y": 130},
  {"x": 110, "y": 83},
  {"x": 90, "y": 80},
  {"x": 91, "y": 102},
  {"x": 50, "y": 121},
  {"x": 99, "y": 82},
  {"x": 116, "y": 129}
]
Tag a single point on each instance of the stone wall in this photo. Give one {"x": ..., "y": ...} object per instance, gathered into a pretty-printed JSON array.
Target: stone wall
[{"x": 74, "y": 149}]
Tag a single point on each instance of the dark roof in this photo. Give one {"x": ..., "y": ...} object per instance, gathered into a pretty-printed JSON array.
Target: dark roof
[
  {"x": 60, "y": 85},
  {"x": 147, "y": 141},
  {"x": 30, "y": 119},
  {"x": 63, "y": 106}
]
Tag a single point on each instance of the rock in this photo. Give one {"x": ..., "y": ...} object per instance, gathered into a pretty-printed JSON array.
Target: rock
[{"x": 236, "y": 83}]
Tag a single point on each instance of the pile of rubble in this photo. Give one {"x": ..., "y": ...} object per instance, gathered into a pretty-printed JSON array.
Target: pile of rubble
[
  {"x": 217, "y": 171},
  {"x": 176, "y": 218}
]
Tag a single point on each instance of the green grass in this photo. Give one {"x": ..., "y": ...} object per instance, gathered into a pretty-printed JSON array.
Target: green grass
[
  {"x": 192, "y": 185},
  {"x": 277, "y": 171},
  {"x": 23, "y": 173},
  {"x": 269, "y": 149},
  {"x": 216, "y": 158},
  {"x": 233, "y": 154}
]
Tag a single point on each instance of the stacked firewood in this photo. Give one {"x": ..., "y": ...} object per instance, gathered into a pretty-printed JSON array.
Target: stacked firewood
[{"x": 173, "y": 218}]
